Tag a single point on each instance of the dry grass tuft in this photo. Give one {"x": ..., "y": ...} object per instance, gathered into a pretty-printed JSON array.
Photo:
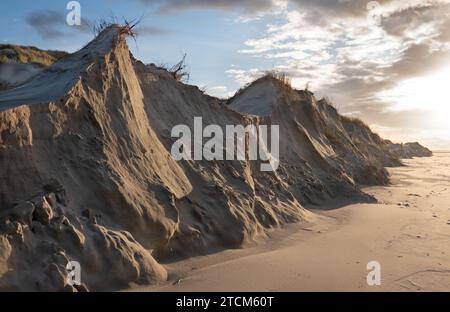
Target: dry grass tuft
[
  {"x": 178, "y": 71},
  {"x": 281, "y": 77},
  {"x": 355, "y": 121},
  {"x": 126, "y": 27}
]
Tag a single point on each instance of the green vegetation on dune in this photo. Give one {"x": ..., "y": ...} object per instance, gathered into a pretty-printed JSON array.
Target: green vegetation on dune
[{"x": 28, "y": 55}]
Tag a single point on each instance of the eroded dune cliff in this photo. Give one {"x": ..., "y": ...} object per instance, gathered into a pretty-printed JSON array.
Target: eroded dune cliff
[{"x": 88, "y": 175}]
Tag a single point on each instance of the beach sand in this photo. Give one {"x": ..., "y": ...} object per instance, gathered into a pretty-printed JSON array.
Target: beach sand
[{"x": 407, "y": 232}]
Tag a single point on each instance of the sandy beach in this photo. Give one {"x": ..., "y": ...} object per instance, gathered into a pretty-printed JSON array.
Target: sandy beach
[{"x": 407, "y": 232}]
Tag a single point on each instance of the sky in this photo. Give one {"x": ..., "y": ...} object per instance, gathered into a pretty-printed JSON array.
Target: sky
[{"x": 386, "y": 62}]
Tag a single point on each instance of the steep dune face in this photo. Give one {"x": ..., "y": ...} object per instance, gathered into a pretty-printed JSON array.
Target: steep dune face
[
  {"x": 89, "y": 178},
  {"x": 339, "y": 151},
  {"x": 88, "y": 174},
  {"x": 84, "y": 169},
  {"x": 232, "y": 202}
]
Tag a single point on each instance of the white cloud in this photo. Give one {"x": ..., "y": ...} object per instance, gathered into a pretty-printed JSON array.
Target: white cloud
[
  {"x": 219, "y": 91},
  {"x": 244, "y": 77},
  {"x": 348, "y": 56}
]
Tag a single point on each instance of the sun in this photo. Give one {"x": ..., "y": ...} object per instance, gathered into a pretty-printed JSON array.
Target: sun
[{"x": 429, "y": 94}]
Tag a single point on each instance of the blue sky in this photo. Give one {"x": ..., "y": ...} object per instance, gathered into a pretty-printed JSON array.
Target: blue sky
[
  {"x": 386, "y": 61},
  {"x": 211, "y": 38}
]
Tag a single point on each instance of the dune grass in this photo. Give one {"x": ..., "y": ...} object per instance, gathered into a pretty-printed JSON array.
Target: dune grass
[{"x": 28, "y": 55}]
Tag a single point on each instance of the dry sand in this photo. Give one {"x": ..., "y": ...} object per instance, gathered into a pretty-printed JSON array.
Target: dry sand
[{"x": 407, "y": 232}]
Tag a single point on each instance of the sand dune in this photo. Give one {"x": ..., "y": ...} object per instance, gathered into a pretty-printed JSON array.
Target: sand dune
[
  {"x": 406, "y": 232},
  {"x": 88, "y": 175}
]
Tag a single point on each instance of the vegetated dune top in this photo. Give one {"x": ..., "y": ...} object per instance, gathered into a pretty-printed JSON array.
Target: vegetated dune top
[
  {"x": 409, "y": 150},
  {"x": 258, "y": 99},
  {"x": 55, "y": 81},
  {"x": 88, "y": 176},
  {"x": 10, "y": 53}
]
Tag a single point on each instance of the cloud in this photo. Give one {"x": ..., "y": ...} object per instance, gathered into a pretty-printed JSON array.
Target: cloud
[
  {"x": 444, "y": 31},
  {"x": 52, "y": 24},
  {"x": 46, "y": 23},
  {"x": 325, "y": 7},
  {"x": 174, "y": 6},
  {"x": 353, "y": 52},
  {"x": 152, "y": 31},
  {"x": 337, "y": 7},
  {"x": 219, "y": 91},
  {"x": 417, "y": 60},
  {"x": 333, "y": 46},
  {"x": 406, "y": 22}
]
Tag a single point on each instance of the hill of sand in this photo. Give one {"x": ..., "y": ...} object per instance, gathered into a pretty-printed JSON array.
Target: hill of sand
[
  {"x": 409, "y": 150},
  {"x": 88, "y": 176}
]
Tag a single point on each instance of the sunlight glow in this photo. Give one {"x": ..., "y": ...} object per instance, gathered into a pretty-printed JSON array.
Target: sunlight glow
[{"x": 429, "y": 94}]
